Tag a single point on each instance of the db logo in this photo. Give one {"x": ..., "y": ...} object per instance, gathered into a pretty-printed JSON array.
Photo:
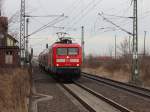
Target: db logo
[{"x": 67, "y": 60}]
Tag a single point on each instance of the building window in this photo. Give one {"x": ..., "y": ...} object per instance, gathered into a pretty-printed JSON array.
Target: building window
[
  {"x": 9, "y": 53},
  {"x": 9, "y": 57}
]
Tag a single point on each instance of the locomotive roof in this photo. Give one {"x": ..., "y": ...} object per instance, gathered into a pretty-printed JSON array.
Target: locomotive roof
[
  {"x": 66, "y": 45},
  {"x": 55, "y": 45}
]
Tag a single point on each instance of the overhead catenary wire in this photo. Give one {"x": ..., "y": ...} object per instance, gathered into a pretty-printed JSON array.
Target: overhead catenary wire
[
  {"x": 84, "y": 21},
  {"x": 90, "y": 7},
  {"x": 118, "y": 12},
  {"x": 52, "y": 26},
  {"x": 86, "y": 11},
  {"x": 128, "y": 8},
  {"x": 74, "y": 5},
  {"x": 42, "y": 28},
  {"x": 141, "y": 18},
  {"x": 115, "y": 24},
  {"x": 71, "y": 12},
  {"x": 81, "y": 16},
  {"x": 35, "y": 19},
  {"x": 42, "y": 16},
  {"x": 123, "y": 18},
  {"x": 47, "y": 25},
  {"x": 40, "y": 4},
  {"x": 120, "y": 17},
  {"x": 117, "y": 16}
]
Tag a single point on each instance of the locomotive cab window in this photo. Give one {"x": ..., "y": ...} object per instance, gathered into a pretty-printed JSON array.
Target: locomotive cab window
[
  {"x": 73, "y": 51},
  {"x": 61, "y": 51}
]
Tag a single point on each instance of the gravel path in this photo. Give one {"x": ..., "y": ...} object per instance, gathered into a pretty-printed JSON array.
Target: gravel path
[{"x": 126, "y": 99}]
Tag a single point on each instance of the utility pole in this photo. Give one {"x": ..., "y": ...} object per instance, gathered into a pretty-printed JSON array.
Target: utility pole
[
  {"x": 27, "y": 42},
  {"x": 135, "y": 63},
  {"x": 22, "y": 32},
  {"x": 129, "y": 45},
  {"x": 82, "y": 43},
  {"x": 115, "y": 47},
  {"x": 145, "y": 32}
]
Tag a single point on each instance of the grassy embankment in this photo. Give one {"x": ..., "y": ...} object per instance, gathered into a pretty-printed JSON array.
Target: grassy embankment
[
  {"x": 119, "y": 70},
  {"x": 14, "y": 89}
]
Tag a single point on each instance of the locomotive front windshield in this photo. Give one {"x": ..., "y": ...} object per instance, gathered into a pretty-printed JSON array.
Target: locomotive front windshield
[
  {"x": 67, "y": 51},
  {"x": 61, "y": 51},
  {"x": 72, "y": 51}
]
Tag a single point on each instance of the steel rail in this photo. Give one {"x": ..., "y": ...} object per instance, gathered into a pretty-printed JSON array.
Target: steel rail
[
  {"x": 101, "y": 97},
  {"x": 88, "y": 107},
  {"x": 124, "y": 86}
]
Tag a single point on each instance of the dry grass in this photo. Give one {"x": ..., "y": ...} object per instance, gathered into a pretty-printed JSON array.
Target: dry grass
[
  {"x": 119, "y": 69},
  {"x": 14, "y": 89},
  {"x": 145, "y": 70},
  {"x": 115, "y": 75}
]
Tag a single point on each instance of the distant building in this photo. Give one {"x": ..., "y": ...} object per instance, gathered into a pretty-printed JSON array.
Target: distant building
[
  {"x": 8, "y": 49},
  {"x": 8, "y": 40}
]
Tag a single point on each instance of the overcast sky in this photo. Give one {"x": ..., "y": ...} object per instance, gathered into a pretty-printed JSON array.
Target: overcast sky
[{"x": 98, "y": 41}]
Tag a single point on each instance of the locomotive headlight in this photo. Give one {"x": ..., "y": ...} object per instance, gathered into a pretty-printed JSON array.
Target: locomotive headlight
[
  {"x": 60, "y": 60},
  {"x": 77, "y": 64},
  {"x": 74, "y": 60}
]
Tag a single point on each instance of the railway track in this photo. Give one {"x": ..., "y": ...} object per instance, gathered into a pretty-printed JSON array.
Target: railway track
[
  {"x": 93, "y": 101},
  {"x": 142, "y": 92}
]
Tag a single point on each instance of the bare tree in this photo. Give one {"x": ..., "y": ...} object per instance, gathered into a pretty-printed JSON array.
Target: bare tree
[
  {"x": 1, "y": 6},
  {"x": 13, "y": 24},
  {"x": 126, "y": 57},
  {"x": 124, "y": 48},
  {"x": 110, "y": 51}
]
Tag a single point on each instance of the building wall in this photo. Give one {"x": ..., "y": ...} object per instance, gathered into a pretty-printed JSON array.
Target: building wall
[
  {"x": 8, "y": 50},
  {"x": 2, "y": 40},
  {"x": 3, "y": 25},
  {"x": 3, "y": 30},
  {"x": 5, "y": 57},
  {"x": 10, "y": 42},
  {"x": 2, "y": 55}
]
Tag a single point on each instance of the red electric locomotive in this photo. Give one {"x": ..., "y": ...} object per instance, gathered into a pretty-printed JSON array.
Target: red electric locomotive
[{"x": 63, "y": 59}]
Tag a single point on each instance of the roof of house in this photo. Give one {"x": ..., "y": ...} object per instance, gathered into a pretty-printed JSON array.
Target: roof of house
[{"x": 11, "y": 37}]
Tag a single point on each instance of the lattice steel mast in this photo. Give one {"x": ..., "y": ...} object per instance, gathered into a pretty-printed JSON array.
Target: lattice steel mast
[
  {"x": 22, "y": 31},
  {"x": 135, "y": 63}
]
